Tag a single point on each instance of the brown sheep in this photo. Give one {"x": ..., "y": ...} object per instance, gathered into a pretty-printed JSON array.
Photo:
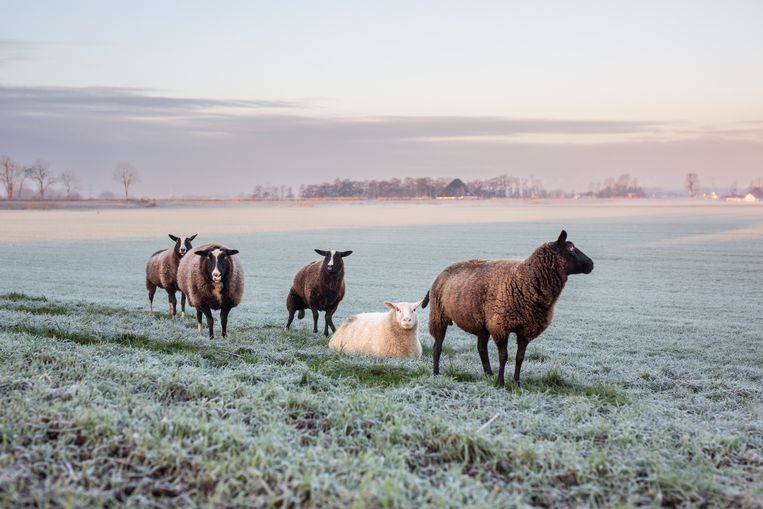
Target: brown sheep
[
  {"x": 212, "y": 278},
  {"x": 497, "y": 297},
  {"x": 161, "y": 271},
  {"x": 318, "y": 286}
]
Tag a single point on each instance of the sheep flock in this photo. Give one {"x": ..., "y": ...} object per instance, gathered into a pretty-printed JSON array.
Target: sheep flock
[{"x": 486, "y": 298}]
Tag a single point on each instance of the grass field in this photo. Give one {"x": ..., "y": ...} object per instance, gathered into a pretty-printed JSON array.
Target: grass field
[{"x": 647, "y": 389}]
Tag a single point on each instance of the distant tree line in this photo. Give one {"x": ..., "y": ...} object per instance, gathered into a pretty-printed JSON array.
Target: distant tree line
[
  {"x": 623, "y": 187},
  {"x": 272, "y": 192},
  {"x": 46, "y": 184},
  {"x": 504, "y": 186}
]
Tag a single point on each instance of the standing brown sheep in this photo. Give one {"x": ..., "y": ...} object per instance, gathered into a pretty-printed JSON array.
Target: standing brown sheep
[
  {"x": 212, "y": 278},
  {"x": 161, "y": 271},
  {"x": 497, "y": 297},
  {"x": 318, "y": 286}
]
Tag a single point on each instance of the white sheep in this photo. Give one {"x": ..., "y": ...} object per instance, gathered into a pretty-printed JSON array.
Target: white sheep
[{"x": 391, "y": 334}]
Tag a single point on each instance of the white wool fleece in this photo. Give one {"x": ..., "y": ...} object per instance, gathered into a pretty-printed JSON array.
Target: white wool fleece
[{"x": 376, "y": 334}]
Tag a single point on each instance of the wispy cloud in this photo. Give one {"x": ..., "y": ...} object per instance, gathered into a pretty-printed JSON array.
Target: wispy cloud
[
  {"x": 12, "y": 50},
  {"x": 19, "y": 50},
  {"x": 115, "y": 101},
  {"x": 237, "y": 116}
]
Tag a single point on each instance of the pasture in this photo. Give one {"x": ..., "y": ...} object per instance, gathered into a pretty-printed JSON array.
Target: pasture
[{"x": 647, "y": 388}]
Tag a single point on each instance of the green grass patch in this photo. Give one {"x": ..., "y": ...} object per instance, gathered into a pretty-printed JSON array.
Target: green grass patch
[
  {"x": 460, "y": 375},
  {"x": 215, "y": 355},
  {"x": 554, "y": 382},
  {"x": 466, "y": 447},
  {"x": 18, "y": 296},
  {"x": 535, "y": 356},
  {"x": 377, "y": 375},
  {"x": 426, "y": 348},
  {"x": 44, "y": 309}
]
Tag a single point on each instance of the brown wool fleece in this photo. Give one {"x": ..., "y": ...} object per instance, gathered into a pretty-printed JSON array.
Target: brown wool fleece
[
  {"x": 499, "y": 296},
  {"x": 201, "y": 292},
  {"x": 161, "y": 270}
]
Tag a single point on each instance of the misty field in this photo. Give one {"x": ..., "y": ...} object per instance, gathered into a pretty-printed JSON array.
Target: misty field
[{"x": 647, "y": 389}]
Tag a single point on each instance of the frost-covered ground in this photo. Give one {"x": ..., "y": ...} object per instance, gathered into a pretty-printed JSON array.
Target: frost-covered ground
[{"x": 646, "y": 389}]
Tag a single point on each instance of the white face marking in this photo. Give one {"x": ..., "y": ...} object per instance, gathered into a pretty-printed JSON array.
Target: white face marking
[
  {"x": 331, "y": 258},
  {"x": 183, "y": 249},
  {"x": 216, "y": 276},
  {"x": 406, "y": 315}
]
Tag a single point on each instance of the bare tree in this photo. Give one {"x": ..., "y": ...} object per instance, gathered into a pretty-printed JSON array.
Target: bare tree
[
  {"x": 127, "y": 175},
  {"x": 39, "y": 172},
  {"x": 70, "y": 182},
  {"x": 11, "y": 173},
  {"x": 24, "y": 174},
  {"x": 691, "y": 184}
]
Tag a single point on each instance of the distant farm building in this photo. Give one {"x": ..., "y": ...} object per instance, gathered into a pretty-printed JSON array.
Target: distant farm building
[
  {"x": 456, "y": 189},
  {"x": 750, "y": 197}
]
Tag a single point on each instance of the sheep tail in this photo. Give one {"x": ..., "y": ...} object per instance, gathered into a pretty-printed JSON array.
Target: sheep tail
[
  {"x": 301, "y": 314},
  {"x": 425, "y": 302}
]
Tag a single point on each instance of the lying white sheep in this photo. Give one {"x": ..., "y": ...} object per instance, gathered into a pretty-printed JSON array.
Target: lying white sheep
[{"x": 392, "y": 334}]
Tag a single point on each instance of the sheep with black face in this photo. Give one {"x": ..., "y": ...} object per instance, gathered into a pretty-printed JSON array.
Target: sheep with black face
[
  {"x": 497, "y": 297},
  {"x": 318, "y": 286},
  {"x": 161, "y": 272},
  {"x": 212, "y": 278}
]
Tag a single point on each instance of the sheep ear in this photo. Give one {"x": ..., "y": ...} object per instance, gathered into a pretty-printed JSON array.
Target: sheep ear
[
  {"x": 321, "y": 252},
  {"x": 345, "y": 253},
  {"x": 192, "y": 236},
  {"x": 231, "y": 252},
  {"x": 202, "y": 253},
  {"x": 416, "y": 305},
  {"x": 174, "y": 239},
  {"x": 390, "y": 305},
  {"x": 562, "y": 238}
]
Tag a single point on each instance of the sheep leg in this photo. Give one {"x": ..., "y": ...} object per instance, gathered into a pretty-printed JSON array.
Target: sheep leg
[
  {"x": 315, "y": 320},
  {"x": 503, "y": 356},
  {"x": 182, "y": 305},
  {"x": 198, "y": 319},
  {"x": 151, "y": 292},
  {"x": 482, "y": 340},
  {"x": 173, "y": 303},
  {"x": 521, "y": 346},
  {"x": 210, "y": 322},
  {"x": 224, "y": 320},
  {"x": 292, "y": 305},
  {"x": 329, "y": 320},
  {"x": 438, "y": 333}
]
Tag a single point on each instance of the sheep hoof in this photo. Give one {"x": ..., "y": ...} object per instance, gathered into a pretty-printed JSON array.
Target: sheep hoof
[
  {"x": 198, "y": 328},
  {"x": 182, "y": 314}
]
